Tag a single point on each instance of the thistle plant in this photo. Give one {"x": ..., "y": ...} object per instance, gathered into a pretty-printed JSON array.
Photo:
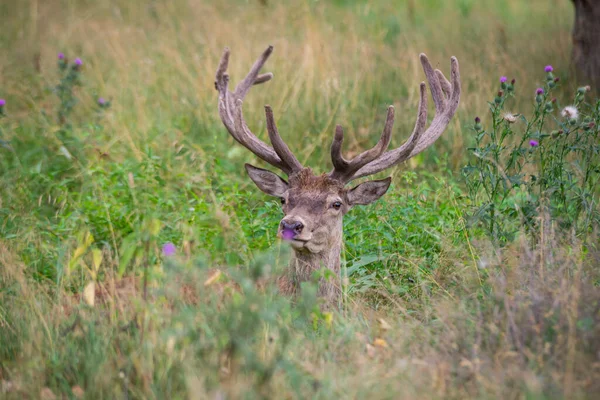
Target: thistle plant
[
  {"x": 526, "y": 167},
  {"x": 65, "y": 89}
]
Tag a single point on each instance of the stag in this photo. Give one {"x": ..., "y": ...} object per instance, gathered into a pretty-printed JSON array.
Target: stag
[{"x": 314, "y": 205}]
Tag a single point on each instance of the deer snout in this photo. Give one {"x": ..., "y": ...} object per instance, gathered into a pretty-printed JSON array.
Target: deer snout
[{"x": 290, "y": 228}]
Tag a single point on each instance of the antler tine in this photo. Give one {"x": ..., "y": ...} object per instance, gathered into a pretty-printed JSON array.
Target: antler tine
[
  {"x": 230, "y": 111},
  {"x": 244, "y": 86},
  {"x": 445, "y": 96},
  {"x": 343, "y": 169},
  {"x": 282, "y": 150}
]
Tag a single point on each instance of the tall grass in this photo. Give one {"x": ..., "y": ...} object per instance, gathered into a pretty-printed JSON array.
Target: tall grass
[{"x": 89, "y": 305}]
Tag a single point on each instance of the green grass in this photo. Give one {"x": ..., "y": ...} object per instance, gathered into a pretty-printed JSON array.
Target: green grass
[{"x": 431, "y": 310}]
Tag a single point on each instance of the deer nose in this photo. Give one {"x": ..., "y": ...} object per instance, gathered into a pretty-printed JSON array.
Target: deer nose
[{"x": 294, "y": 226}]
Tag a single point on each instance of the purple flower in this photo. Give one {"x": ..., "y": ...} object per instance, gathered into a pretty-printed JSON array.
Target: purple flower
[
  {"x": 288, "y": 234},
  {"x": 169, "y": 249},
  {"x": 477, "y": 120},
  {"x": 101, "y": 101},
  {"x": 2, "y": 102},
  {"x": 61, "y": 56},
  {"x": 78, "y": 62},
  {"x": 534, "y": 143},
  {"x": 548, "y": 68},
  {"x": 503, "y": 79},
  {"x": 539, "y": 91}
]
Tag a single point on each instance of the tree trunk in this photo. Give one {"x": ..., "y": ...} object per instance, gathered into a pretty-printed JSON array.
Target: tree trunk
[{"x": 586, "y": 41}]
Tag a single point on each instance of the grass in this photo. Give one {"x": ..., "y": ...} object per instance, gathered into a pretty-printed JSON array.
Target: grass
[{"x": 431, "y": 310}]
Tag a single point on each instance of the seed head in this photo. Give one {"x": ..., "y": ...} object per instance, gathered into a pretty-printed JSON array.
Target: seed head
[
  {"x": 510, "y": 118},
  {"x": 570, "y": 112}
]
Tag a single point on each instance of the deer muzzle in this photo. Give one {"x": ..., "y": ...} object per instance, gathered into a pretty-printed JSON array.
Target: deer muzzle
[{"x": 290, "y": 229}]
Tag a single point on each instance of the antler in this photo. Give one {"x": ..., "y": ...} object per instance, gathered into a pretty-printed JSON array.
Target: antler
[
  {"x": 230, "y": 111},
  {"x": 445, "y": 96}
]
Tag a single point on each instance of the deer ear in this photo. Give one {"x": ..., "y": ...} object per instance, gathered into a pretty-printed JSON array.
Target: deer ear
[
  {"x": 368, "y": 192},
  {"x": 267, "y": 181}
]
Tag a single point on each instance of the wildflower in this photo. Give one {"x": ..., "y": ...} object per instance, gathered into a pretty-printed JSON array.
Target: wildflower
[
  {"x": 2, "y": 102},
  {"x": 503, "y": 80},
  {"x": 513, "y": 81},
  {"x": 556, "y": 134},
  {"x": 498, "y": 98},
  {"x": 169, "y": 249},
  {"x": 534, "y": 143},
  {"x": 548, "y": 68},
  {"x": 61, "y": 56},
  {"x": 570, "y": 112},
  {"x": 510, "y": 118},
  {"x": 101, "y": 101},
  {"x": 477, "y": 120},
  {"x": 288, "y": 234},
  {"x": 477, "y": 124},
  {"x": 556, "y": 79},
  {"x": 78, "y": 62},
  {"x": 539, "y": 93}
]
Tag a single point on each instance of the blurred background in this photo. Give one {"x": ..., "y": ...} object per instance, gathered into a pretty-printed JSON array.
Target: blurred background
[{"x": 334, "y": 62}]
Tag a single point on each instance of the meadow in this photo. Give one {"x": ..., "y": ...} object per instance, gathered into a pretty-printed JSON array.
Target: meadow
[{"x": 116, "y": 149}]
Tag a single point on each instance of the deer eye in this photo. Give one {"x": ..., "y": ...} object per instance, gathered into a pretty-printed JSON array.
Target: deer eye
[{"x": 337, "y": 205}]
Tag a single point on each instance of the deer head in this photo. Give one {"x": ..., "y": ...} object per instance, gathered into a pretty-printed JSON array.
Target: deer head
[{"x": 314, "y": 205}]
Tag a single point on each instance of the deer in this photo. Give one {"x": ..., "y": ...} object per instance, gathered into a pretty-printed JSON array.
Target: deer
[{"x": 314, "y": 205}]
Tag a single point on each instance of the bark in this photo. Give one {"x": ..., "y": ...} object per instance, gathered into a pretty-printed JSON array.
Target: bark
[{"x": 586, "y": 41}]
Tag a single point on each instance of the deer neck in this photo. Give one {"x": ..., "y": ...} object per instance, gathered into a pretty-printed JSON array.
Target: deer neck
[{"x": 304, "y": 263}]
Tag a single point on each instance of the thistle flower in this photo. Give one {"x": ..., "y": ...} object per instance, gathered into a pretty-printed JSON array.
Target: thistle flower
[
  {"x": 61, "y": 56},
  {"x": 548, "y": 68},
  {"x": 539, "y": 91},
  {"x": 169, "y": 249},
  {"x": 288, "y": 234},
  {"x": 534, "y": 143},
  {"x": 101, "y": 101},
  {"x": 2, "y": 102},
  {"x": 570, "y": 112},
  {"x": 503, "y": 79},
  {"x": 78, "y": 62},
  {"x": 510, "y": 118}
]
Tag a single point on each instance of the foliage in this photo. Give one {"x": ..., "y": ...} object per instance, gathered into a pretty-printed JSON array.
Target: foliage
[{"x": 524, "y": 168}]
